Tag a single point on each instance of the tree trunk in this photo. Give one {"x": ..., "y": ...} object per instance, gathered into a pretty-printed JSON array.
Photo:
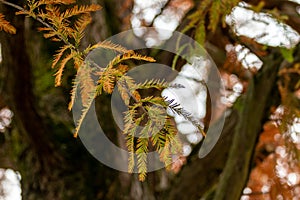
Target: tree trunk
[{"x": 255, "y": 109}]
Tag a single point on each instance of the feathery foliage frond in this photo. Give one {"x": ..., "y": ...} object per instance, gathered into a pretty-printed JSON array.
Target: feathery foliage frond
[
  {"x": 6, "y": 26},
  {"x": 81, "y": 23},
  {"x": 109, "y": 45},
  {"x": 158, "y": 129},
  {"x": 87, "y": 85},
  {"x": 176, "y": 85},
  {"x": 73, "y": 92},
  {"x": 77, "y": 10},
  {"x": 130, "y": 130},
  {"x": 129, "y": 55},
  {"x": 54, "y": 2},
  {"x": 142, "y": 150},
  {"x": 177, "y": 109},
  {"x": 214, "y": 15},
  {"x": 59, "y": 73},
  {"x": 167, "y": 142},
  {"x": 215, "y": 10},
  {"x": 58, "y": 19},
  {"x": 59, "y": 54},
  {"x": 84, "y": 112},
  {"x": 200, "y": 32},
  {"x": 59, "y": 25},
  {"x": 110, "y": 75},
  {"x": 157, "y": 114},
  {"x": 125, "y": 88},
  {"x": 146, "y": 123},
  {"x": 157, "y": 84},
  {"x": 130, "y": 148},
  {"x": 153, "y": 83},
  {"x": 129, "y": 122},
  {"x": 107, "y": 80}
]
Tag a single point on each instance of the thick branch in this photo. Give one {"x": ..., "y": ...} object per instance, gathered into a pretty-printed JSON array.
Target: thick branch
[{"x": 255, "y": 106}]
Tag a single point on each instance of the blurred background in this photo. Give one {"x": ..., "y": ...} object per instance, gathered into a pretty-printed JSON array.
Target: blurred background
[{"x": 254, "y": 44}]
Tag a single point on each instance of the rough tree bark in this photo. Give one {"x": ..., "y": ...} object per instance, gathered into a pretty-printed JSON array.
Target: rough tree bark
[{"x": 255, "y": 109}]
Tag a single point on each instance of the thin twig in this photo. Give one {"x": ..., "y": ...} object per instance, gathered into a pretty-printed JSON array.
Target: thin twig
[
  {"x": 12, "y": 5},
  {"x": 36, "y": 18}
]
